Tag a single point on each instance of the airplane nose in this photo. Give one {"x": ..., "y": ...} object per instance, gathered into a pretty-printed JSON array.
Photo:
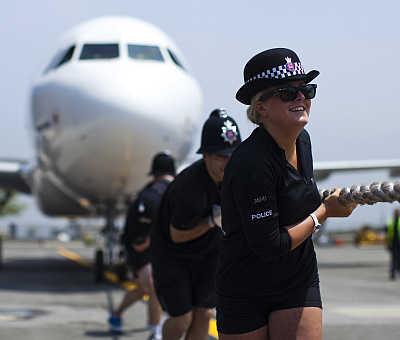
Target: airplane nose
[{"x": 110, "y": 126}]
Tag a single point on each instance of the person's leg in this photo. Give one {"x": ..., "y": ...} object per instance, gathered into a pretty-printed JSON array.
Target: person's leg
[
  {"x": 154, "y": 311},
  {"x": 258, "y": 334},
  {"x": 154, "y": 315},
  {"x": 175, "y": 327},
  {"x": 303, "y": 323},
  {"x": 199, "y": 326},
  {"x": 130, "y": 297},
  {"x": 145, "y": 280}
]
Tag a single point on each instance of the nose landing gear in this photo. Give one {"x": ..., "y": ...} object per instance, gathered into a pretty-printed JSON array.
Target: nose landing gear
[{"x": 105, "y": 256}]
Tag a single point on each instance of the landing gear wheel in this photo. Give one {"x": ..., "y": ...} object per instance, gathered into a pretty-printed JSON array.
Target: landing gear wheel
[{"x": 99, "y": 266}]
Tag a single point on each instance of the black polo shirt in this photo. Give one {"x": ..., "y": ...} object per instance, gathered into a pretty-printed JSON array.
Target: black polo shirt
[
  {"x": 140, "y": 219},
  {"x": 187, "y": 201},
  {"x": 142, "y": 212},
  {"x": 262, "y": 193}
]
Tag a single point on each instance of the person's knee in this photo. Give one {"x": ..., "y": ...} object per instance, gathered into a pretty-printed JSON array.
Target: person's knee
[
  {"x": 203, "y": 314},
  {"x": 148, "y": 287},
  {"x": 137, "y": 291},
  {"x": 183, "y": 322},
  {"x": 134, "y": 294},
  {"x": 309, "y": 330}
]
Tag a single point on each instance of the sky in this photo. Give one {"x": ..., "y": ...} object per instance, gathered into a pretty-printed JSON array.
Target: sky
[{"x": 354, "y": 44}]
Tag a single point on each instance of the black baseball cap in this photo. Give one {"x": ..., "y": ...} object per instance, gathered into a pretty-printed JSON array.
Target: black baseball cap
[{"x": 162, "y": 164}]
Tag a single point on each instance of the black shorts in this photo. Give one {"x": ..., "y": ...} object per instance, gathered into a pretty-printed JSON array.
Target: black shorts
[
  {"x": 136, "y": 260},
  {"x": 236, "y": 316},
  {"x": 184, "y": 284}
]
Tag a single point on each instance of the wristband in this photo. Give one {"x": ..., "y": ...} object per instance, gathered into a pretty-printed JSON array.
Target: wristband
[{"x": 317, "y": 225}]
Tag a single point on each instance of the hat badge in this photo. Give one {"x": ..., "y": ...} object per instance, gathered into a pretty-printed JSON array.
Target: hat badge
[
  {"x": 229, "y": 132},
  {"x": 289, "y": 65}
]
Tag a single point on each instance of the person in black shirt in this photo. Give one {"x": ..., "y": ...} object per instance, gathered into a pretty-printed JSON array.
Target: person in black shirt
[
  {"x": 140, "y": 219},
  {"x": 185, "y": 241},
  {"x": 267, "y": 280}
]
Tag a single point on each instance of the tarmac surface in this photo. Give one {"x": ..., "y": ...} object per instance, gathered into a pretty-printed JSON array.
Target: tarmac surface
[{"x": 44, "y": 295}]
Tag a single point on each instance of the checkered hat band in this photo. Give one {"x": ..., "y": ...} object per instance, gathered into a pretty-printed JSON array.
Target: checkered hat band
[{"x": 279, "y": 72}]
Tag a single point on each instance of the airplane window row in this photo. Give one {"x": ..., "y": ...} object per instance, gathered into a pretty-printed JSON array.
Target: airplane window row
[{"x": 111, "y": 51}]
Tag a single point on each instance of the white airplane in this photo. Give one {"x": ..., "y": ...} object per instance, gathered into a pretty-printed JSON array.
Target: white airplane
[{"x": 117, "y": 91}]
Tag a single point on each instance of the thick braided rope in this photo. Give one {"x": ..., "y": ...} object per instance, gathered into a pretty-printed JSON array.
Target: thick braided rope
[{"x": 368, "y": 194}]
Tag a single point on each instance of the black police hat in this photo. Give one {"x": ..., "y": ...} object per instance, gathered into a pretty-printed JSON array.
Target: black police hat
[
  {"x": 162, "y": 164},
  {"x": 220, "y": 134},
  {"x": 271, "y": 67}
]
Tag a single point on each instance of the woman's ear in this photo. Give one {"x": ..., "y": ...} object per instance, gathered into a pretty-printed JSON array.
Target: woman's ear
[{"x": 262, "y": 109}]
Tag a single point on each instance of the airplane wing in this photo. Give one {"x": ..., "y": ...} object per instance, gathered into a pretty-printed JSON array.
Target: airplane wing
[
  {"x": 323, "y": 170},
  {"x": 14, "y": 175}
]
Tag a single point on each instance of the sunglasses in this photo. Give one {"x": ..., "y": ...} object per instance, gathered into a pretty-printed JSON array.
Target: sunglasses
[{"x": 289, "y": 93}]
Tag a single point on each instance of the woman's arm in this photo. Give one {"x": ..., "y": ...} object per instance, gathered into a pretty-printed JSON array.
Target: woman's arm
[
  {"x": 142, "y": 246},
  {"x": 331, "y": 207},
  {"x": 179, "y": 236},
  {"x": 253, "y": 190}
]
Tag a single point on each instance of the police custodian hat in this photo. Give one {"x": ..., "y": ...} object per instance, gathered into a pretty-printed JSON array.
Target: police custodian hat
[
  {"x": 271, "y": 67},
  {"x": 220, "y": 134},
  {"x": 162, "y": 164}
]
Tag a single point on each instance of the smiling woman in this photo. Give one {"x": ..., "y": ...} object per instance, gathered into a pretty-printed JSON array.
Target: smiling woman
[{"x": 267, "y": 281}]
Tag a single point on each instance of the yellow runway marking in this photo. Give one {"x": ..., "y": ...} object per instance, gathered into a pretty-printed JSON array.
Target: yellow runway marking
[
  {"x": 74, "y": 257},
  {"x": 126, "y": 285},
  {"x": 112, "y": 277}
]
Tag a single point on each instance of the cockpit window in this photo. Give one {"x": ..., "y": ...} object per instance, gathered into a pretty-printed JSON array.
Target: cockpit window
[
  {"x": 99, "y": 51},
  {"x": 175, "y": 59},
  {"x": 67, "y": 56},
  {"x": 143, "y": 52},
  {"x": 61, "y": 58}
]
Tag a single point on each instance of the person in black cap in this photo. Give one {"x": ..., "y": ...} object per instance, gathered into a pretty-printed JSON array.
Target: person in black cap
[
  {"x": 267, "y": 279},
  {"x": 140, "y": 219},
  {"x": 185, "y": 240}
]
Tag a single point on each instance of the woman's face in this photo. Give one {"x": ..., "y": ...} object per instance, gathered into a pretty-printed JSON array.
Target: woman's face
[{"x": 285, "y": 115}]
